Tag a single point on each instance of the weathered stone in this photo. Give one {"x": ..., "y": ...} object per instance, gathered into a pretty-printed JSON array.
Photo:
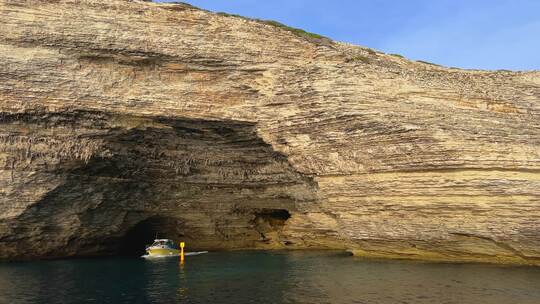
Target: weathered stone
[{"x": 120, "y": 119}]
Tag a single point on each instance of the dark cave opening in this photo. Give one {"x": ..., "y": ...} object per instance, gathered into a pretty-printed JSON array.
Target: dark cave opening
[
  {"x": 134, "y": 242},
  {"x": 268, "y": 222},
  {"x": 275, "y": 217}
]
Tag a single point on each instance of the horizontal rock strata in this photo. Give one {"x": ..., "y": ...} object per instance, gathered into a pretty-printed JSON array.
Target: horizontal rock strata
[{"x": 120, "y": 119}]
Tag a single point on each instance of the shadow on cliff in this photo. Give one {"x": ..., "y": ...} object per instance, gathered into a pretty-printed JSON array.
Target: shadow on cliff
[{"x": 215, "y": 183}]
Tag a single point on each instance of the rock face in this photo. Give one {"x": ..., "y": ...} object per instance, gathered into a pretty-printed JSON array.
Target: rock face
[{"x": 120, "y": 119}]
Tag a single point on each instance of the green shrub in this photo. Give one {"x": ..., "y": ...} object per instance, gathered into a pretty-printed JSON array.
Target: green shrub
[
  {"x": 371, "y": 52},
  {"x": 297, "y": 31},
  {"x": 230, "y": 15},
  {"x": 427, "y": 62}
]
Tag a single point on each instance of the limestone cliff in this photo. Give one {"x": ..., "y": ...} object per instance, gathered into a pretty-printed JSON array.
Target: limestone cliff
[{"x": 120, "y": 119}]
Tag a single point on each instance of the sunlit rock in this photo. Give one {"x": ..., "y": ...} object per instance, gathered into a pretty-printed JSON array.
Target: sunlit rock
[{"x": 122, "y": 119}]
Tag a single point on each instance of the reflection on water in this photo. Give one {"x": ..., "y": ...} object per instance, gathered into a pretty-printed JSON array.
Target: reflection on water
[{"x": 265, "y": 277}]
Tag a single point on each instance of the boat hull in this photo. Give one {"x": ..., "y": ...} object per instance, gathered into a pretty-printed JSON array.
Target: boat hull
[
  {"x": 162, "y": 252},
  {"x": 151, "y": 257}
]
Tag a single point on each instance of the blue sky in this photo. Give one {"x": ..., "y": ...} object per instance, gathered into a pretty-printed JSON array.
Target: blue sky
[{"x": 484, "y": 34}]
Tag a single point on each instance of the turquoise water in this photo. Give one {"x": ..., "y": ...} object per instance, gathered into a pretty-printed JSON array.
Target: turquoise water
[{"x": 265, "y": 277}]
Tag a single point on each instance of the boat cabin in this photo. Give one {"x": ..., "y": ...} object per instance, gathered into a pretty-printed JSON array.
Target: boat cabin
[{"x": 162, "y": 243}]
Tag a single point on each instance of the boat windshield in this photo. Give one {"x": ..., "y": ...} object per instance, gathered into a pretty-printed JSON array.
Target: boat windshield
[{"x": 166, "y": 243}]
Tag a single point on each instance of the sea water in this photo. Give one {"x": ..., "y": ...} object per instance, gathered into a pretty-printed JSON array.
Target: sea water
[{"x": 265, "y": 277}]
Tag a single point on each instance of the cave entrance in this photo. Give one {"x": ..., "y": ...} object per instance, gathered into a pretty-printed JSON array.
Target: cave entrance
[
  {"x": 274, "y": 217},
  {"x": 269, "y": 223},
  {"x": 136, "y": 238}
]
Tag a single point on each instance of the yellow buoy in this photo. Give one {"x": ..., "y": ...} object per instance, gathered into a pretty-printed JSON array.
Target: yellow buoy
[{"x": 182, "y": 245}]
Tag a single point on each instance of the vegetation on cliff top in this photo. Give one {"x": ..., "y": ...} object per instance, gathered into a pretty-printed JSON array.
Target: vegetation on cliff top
[
  {"x": 296, "y": 31},
  {"x": 299, "y": 32}
]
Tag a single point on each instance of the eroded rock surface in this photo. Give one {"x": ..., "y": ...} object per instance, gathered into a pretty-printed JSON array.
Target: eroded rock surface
[{"x": 120, "y": 119}]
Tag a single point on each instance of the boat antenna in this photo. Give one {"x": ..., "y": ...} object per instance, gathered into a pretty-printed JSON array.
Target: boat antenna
[{"x": 155, "y": 237}]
